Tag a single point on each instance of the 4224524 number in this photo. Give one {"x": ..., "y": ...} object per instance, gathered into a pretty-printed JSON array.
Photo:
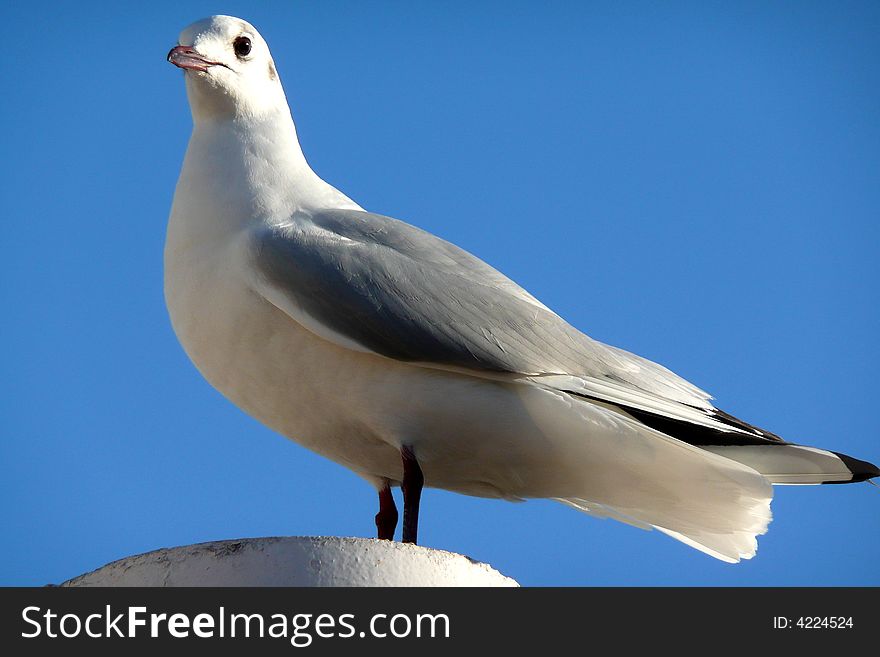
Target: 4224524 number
[{"x": 813, "y": 623}]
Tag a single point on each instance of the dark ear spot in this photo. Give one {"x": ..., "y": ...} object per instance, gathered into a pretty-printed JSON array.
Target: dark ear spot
[{"x": 272, "y": 73}]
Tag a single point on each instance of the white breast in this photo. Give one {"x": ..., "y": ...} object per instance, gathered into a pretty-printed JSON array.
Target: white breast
[{"x": 260, "y": 359}]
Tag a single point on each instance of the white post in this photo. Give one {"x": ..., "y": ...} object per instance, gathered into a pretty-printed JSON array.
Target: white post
[{"x": 295, "y": 561}]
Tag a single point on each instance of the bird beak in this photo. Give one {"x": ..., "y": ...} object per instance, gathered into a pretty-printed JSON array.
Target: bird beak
[{"x": 186, "y": 57}]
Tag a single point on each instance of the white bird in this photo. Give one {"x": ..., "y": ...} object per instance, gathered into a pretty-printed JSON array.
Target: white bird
[{"x": 410, "y": 361}]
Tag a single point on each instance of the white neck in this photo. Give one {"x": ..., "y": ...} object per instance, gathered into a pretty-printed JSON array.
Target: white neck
[
  {"x": 264, "y": 155},
  {"x": 239, "y": 170}
]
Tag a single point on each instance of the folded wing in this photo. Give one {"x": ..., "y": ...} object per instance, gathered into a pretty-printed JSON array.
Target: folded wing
[{"x": 377, "y": 284}]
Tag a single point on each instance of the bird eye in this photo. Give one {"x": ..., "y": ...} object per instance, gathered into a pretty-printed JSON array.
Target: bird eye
[{"x": 242, "y": 46}]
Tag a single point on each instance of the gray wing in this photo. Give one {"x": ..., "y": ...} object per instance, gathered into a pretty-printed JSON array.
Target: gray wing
[{"x": 385, "y": 286}]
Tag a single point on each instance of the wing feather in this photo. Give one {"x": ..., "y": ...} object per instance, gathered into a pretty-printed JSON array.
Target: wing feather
[{"x": 376, "y": 284}]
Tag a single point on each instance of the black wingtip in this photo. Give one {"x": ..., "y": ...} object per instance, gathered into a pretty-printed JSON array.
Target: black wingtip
[{"x": 861, "y": 470}]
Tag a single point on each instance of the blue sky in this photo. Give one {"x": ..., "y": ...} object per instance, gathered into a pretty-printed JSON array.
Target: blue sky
[{"x": 695, "y": 182}]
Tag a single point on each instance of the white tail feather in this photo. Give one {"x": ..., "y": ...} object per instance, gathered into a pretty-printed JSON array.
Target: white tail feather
[
  {"x": 619, "y": 468},
  {"x": 788, "y": 464}
]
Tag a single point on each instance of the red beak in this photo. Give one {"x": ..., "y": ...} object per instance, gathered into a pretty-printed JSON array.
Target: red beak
[{"x": 186, "y": 57}]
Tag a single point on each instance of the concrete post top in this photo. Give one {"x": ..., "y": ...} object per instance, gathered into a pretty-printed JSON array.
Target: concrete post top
[{"x": 295, "y": 561}]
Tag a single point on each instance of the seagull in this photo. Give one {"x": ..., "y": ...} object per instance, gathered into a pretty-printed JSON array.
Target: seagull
[{"x": 414, "y": 363}]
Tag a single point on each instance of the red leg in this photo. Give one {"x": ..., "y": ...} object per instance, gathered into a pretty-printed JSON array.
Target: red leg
[
  {"x": 386, "y": 519},
  {"x": 413, "y": 480}
]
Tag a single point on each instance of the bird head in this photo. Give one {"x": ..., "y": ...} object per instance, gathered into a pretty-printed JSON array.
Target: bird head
[{"x": 228, "y": 69}]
